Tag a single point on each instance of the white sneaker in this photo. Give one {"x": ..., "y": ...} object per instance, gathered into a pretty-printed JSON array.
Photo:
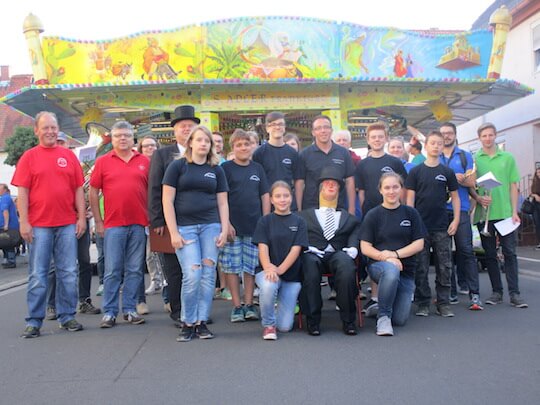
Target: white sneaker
[
  {"x": 153, "y": 288},
  {"x": 384, "y": 326}
]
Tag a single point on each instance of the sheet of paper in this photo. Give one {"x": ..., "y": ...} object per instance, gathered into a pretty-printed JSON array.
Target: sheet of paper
[
  {"x": 86, "y": 153},
  {"x": 506, "y": 226},
  {"x": 488, "y": 181}
]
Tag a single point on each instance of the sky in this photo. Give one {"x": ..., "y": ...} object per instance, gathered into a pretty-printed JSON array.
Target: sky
[{"x": 100, "y": 19}]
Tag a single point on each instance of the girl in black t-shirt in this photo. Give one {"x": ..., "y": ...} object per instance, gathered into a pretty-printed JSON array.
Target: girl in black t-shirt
[
  {"x": 391, "y": 235},
  {"x": 280, "y": 236},
  {"x": 197, "y": 215}
]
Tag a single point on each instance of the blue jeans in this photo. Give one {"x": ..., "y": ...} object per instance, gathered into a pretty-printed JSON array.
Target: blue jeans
[
  {"x": 467, "y": 270},
  {"x": 198, "y": 262},
  {"x": 395, "y": 292},
  {"x": 286, "y": 294},
  {"x": 59, "y": 243},
  {"x": 124, "y": 249},
  {"x": 440, "y": 242},
  {"x": 508, "y": 244}
]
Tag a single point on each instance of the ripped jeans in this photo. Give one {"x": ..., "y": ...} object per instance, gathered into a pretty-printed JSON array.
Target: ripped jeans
[{"x": 198, "y": 261}]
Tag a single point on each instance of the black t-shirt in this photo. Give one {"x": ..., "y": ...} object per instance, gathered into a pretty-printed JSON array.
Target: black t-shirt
[
  {"x": 369, "y": 172},
  {"x": 280, "y": 233},
  {"x": 430, "y": 185},
  {"x": 393, "y": 229},
  {"x": 196, "y": 189},
  {"x": 246, "y": 186},
  {"x": 312, "y": 161},
  {"x": 279, "y": 163}
]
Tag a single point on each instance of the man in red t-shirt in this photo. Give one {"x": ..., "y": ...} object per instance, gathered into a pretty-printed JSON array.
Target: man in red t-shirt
[
  {"x": 122, "y": 177},
  {"x": 52, "y": 217}
]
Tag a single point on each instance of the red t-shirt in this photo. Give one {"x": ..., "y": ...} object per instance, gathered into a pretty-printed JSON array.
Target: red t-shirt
[
  {"x": 51, "y": 175},
  {"x": 125, "y": 188}
]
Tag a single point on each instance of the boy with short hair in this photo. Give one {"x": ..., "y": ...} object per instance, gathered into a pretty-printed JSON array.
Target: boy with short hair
[
  {"x": 248, "y": 201},
  {"x": 427, "y": 186},
  {"x": 279, "y": 160}
]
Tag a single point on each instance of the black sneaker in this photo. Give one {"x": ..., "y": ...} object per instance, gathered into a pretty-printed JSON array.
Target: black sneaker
[
  {"x": 30, "y": 332},
  {"x": 188, "y": 333},
  {"x": 108, "y": 321},
  {"x": 517, "y": 301},
  {"x": 86, "y": 307},
  {"x": 203, "y": 332},
  {"x": 51, "y": 314},
  {"x": 349, "y": 328},
  {"x": 72, "y": 326},
  {"x": 371, "y": 308}
]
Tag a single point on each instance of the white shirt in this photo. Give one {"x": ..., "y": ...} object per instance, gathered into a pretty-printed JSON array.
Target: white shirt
[{"x": 320, "y": 213}]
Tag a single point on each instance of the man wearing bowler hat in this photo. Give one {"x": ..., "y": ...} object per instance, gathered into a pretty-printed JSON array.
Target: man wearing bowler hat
[
  {"x": 333, "y": 236},
  {"x": 183, "y": 121}
]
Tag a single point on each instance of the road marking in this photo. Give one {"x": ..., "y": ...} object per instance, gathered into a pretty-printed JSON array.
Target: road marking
[
  {"x": 526, "y": 259},
  {"x": 12, "y": 290}
]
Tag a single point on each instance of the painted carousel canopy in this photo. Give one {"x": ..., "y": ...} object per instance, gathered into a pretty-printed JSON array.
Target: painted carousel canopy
[{"x": 257, "y": 64}]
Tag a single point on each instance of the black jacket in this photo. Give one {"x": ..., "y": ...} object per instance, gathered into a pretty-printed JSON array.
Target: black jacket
[
  {"x": 160, "y": 160},
  {"x": 347, "y": 232}
]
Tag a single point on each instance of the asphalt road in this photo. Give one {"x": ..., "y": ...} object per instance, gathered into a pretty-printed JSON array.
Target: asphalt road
[{"x": 488, "y": 357}]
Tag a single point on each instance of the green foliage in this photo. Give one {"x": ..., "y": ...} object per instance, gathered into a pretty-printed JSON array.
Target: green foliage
[{"x": 22, "y": 140}]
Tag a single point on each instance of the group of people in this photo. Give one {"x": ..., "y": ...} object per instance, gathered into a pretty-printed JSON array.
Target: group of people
[{"x": 271, "y": 217}]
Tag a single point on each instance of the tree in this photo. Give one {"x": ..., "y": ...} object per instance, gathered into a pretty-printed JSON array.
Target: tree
[{"x": 22, "y": 140}]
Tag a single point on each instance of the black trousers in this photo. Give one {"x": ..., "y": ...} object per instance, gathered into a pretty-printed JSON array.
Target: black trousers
[
  {"x": 173, "y": 275},
  {"x": 344, "y": 270},
  {"x": 85, "y": 268}
]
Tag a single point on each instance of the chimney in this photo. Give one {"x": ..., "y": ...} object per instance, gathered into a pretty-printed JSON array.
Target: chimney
[{"x": 4, "y": 73}]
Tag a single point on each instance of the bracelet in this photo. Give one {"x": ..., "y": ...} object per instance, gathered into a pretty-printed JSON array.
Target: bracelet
[{"x": 397, "y": 254}]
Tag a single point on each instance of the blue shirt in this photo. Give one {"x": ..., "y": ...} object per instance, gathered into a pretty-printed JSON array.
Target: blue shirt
[
  {"x": 454, "y": 163},
  {"x": 6, "y": 203}
]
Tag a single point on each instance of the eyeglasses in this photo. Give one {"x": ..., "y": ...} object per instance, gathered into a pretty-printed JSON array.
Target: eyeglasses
[
  {"x": 276, "y": 125},
  {"x": 322, "y": 127},
  {"x": 149, "y": 145},
  {"x": 122, "y": 135}
]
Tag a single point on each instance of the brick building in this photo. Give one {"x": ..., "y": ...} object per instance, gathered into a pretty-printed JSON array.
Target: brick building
[{"x": 10, "y": 118}]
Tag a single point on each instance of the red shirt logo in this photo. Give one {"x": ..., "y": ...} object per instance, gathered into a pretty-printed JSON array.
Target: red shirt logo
[{"x": 62, "y": 162}]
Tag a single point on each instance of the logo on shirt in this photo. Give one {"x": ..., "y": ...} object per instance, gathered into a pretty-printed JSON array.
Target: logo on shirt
[
  {"x": 293, "y": 228},
  {"x": 142, "y": 167},
  {"x": 287, "y": 161},
  {"x": 61, "y": 162},
  {"x": 338, "y": 161},
  {"x": 405, "y": 222},
  {"x": 255, "y": 178},
  {"x": 387, "y": 169},
  {"x": 211, "y": 175},
  {"x": 440, "y": 177}
]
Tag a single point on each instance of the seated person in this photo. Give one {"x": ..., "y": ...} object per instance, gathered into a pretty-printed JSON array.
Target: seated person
[
  {"x": 333, "y": 237},
  {"x": 391, "y": 236}
]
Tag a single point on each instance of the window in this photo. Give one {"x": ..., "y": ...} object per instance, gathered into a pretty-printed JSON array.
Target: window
[{"x": 536, "y": 47}]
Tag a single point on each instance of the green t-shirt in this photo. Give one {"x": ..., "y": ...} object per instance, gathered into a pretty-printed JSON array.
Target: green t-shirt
[
  {"x": 503, "y": 166},
  {"x": 418, "y": 159}
]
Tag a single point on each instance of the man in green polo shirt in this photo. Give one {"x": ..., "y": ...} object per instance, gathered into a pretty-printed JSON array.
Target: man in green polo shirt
[{"x": 502, "y": 204}]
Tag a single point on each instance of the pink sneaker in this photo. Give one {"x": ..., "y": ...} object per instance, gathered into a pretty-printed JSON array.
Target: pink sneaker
[{"x": 269, "y": 333}]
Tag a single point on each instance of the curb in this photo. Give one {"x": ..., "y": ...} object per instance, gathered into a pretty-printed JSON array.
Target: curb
[{"x": 13, "y": 284}]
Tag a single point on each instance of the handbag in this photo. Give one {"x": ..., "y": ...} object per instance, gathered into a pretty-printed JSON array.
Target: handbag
[
  {"x": 527, "y": 206},
  {"x": 9, "y": 239}
]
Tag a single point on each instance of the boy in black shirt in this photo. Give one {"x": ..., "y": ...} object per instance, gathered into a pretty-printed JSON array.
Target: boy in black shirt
[
  {"x": 248, "y": 201},
  {"x": 279, "y": 160},
  {"x": 367, "y": 176},
  {"x": 427, "y": 186}
]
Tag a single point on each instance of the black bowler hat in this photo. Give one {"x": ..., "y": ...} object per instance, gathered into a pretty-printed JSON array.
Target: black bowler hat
[
  {"x": 331, "y": 173},
  {"x": 184, "y": 112}
]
